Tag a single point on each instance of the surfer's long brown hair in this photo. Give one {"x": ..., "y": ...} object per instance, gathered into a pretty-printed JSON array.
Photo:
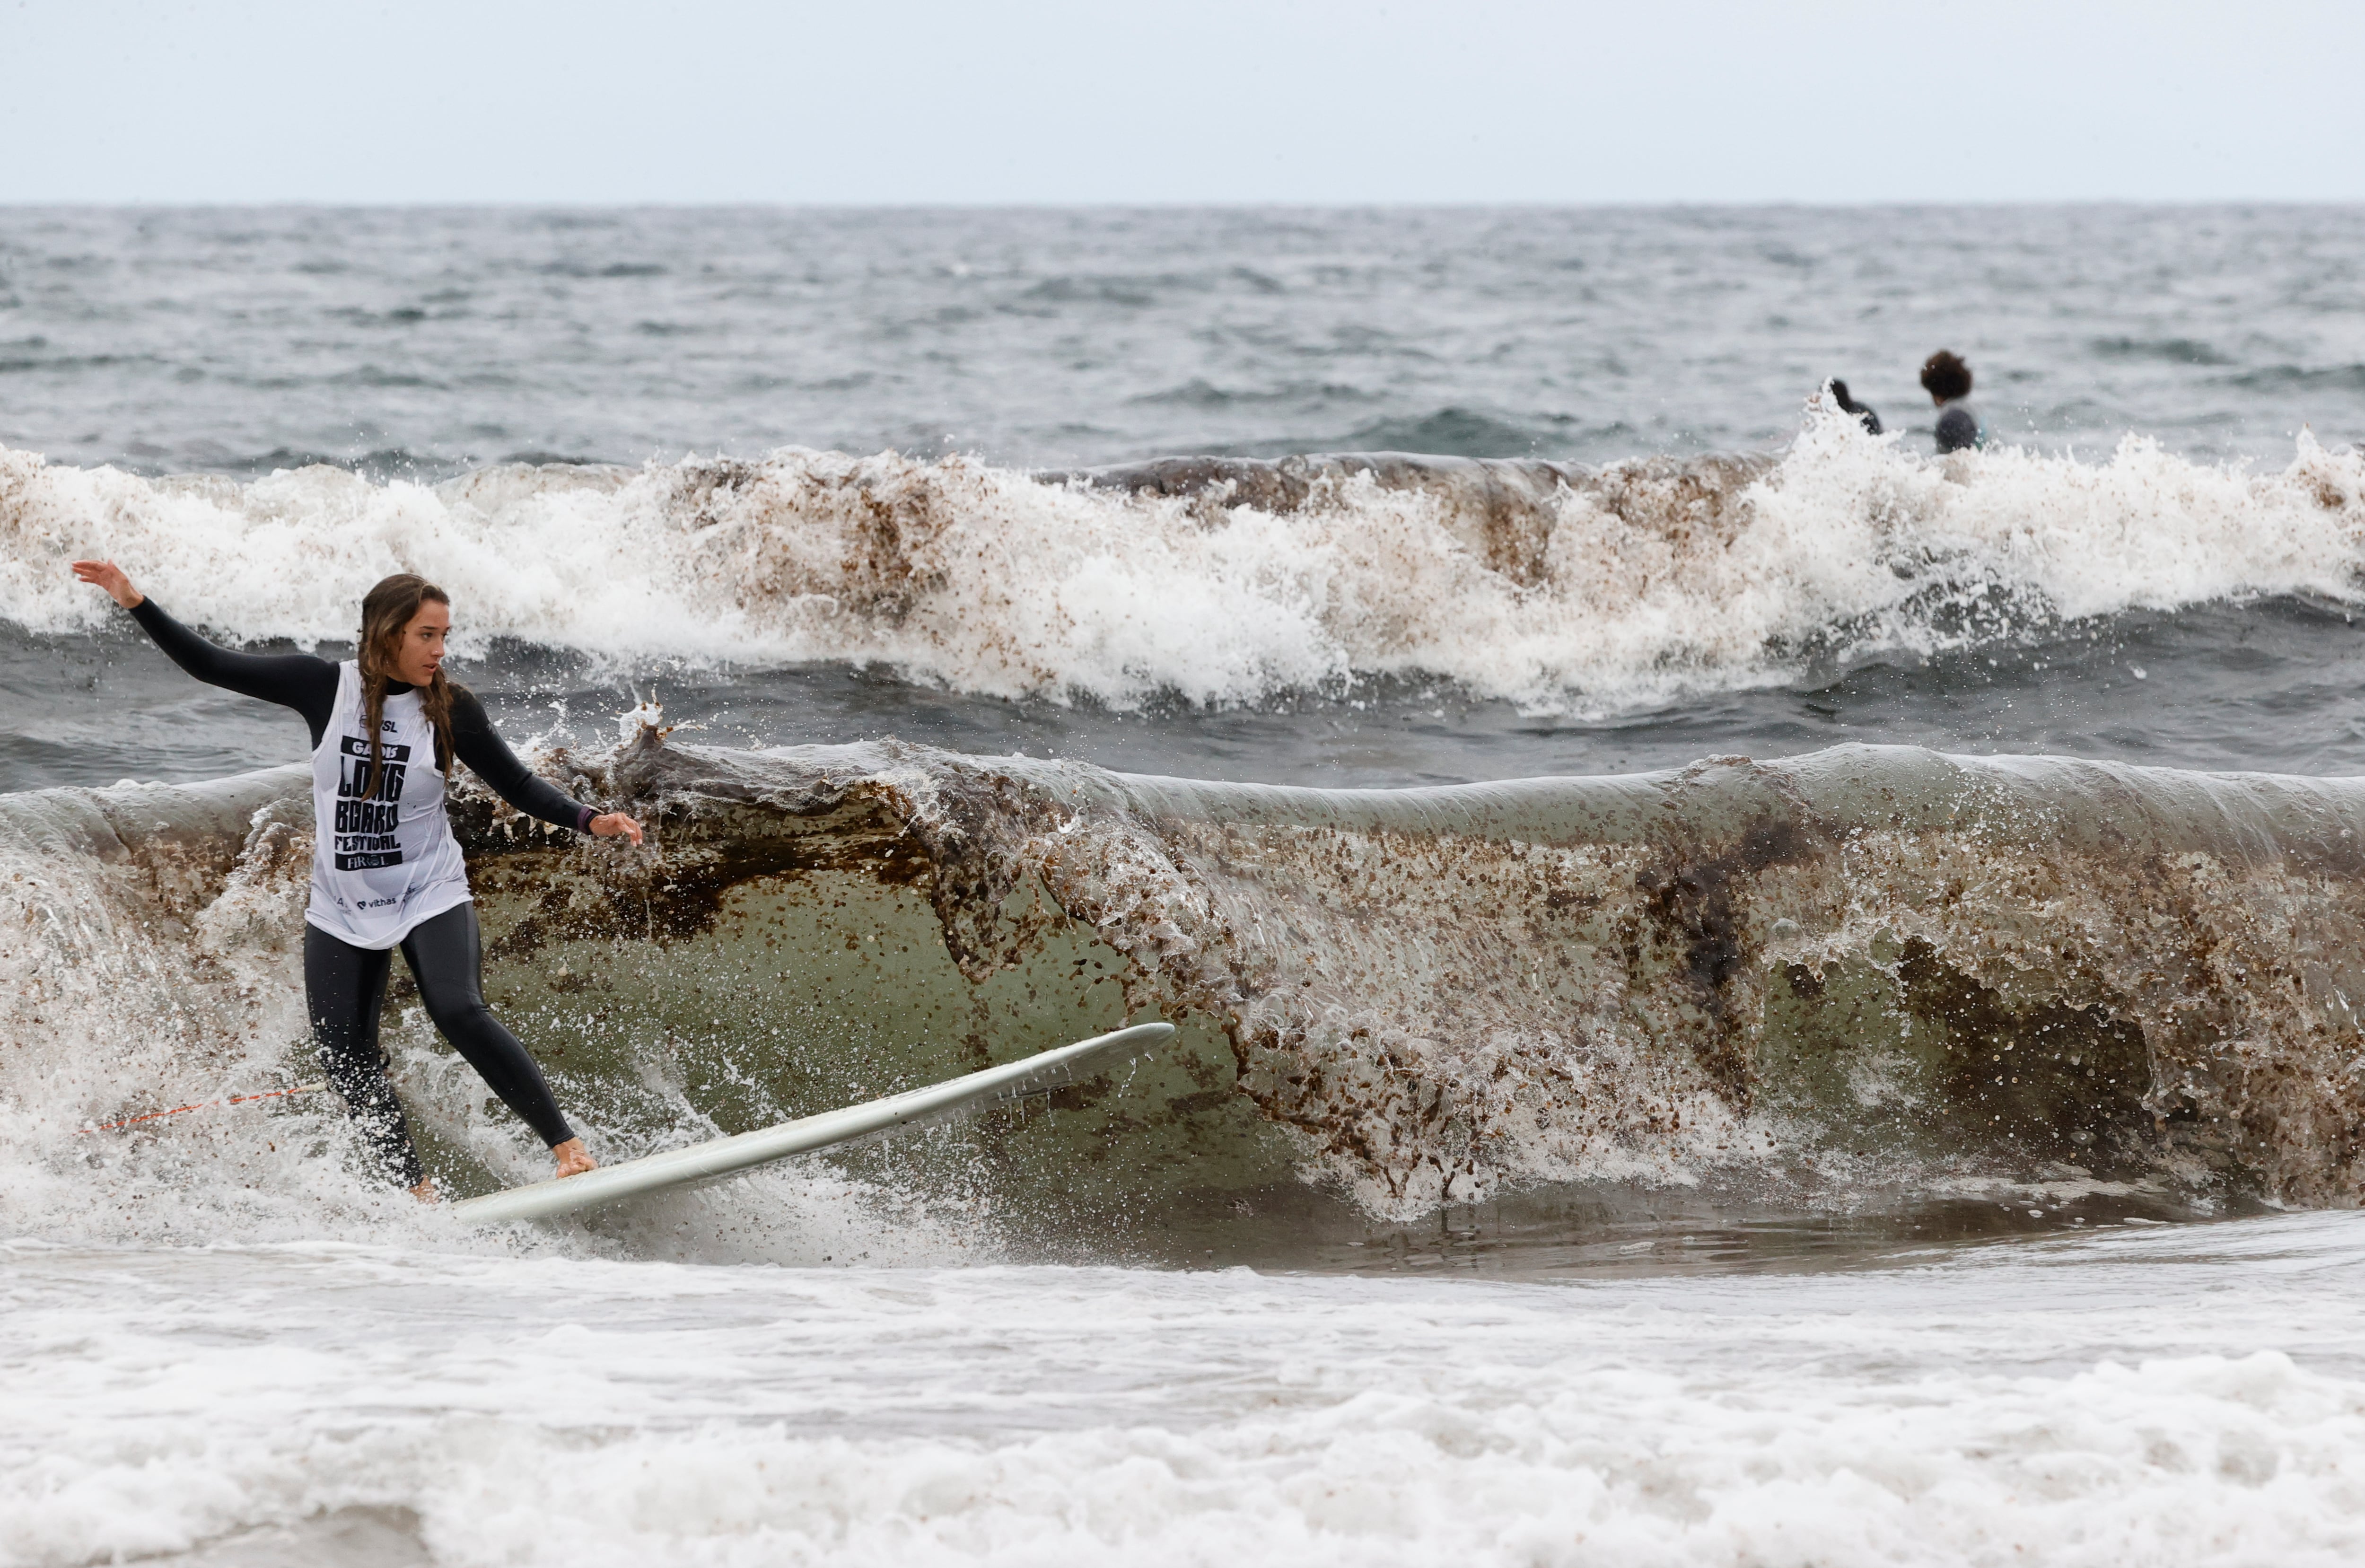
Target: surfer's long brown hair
[{"x": 387, "y": 611}]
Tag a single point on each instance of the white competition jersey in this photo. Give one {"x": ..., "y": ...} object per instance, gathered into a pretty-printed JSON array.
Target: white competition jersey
[{"x": 381, "y": 863}]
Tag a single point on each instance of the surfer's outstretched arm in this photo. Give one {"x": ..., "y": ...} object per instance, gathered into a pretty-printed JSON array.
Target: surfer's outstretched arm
[
  {"x": 302, "y": 681},
  {"x": 478, "y": 746},
  {"x": 308, "y": 684}
]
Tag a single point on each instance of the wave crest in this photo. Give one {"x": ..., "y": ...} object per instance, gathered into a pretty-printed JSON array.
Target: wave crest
[
  {"x": 1872, "y": 967},
  {"x": 1224, "y": 582}
]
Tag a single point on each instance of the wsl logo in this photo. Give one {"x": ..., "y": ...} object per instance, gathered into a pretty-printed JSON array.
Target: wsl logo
[{"x": 366, "y": 824}]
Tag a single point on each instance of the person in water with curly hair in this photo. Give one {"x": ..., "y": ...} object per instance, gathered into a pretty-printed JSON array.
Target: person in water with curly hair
[
  {"x": 1948, "y": 381},
  {"x": 387, "y": 726}
]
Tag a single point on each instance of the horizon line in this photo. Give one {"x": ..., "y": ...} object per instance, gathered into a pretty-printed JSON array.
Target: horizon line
[{"x": 1675, "y": 204}]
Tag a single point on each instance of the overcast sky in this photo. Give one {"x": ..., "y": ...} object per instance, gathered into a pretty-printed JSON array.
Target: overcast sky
[{"x": 1180, "y": 101}]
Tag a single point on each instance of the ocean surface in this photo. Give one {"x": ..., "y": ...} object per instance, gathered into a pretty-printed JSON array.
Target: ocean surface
[{"x": 1751, "y": 994}]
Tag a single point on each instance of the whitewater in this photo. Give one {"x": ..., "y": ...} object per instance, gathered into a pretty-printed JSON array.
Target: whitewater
[
  {"x": 1748, "y": 993},
  {"x": 1551, "y": 589},
  {"x": 355, "y": 1404}
]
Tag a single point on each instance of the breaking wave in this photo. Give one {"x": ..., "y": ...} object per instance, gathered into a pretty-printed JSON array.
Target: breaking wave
[
  {"x": 1883, "y": 968},
  {"x": 1223, "y": 581}
]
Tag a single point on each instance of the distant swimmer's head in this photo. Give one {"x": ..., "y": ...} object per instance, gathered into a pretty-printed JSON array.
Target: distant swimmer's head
[
  {"x": 405, "y": 620},
  {"x": 1945, "y": 377}
]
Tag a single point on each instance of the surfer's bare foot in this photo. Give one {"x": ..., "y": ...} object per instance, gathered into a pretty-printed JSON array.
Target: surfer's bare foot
[
  {"x": 573, "y": 1158},
  {"x": 425, "y": 1191}
]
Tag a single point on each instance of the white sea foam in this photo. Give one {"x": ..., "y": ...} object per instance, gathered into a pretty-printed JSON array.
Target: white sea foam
[
  {"x": 988, "y": 581},
  {"x": 2062, "y": 1403}
]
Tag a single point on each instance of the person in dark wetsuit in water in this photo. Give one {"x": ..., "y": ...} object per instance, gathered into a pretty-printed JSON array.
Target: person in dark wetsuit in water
[
  {"x": 1948, "y": 381},
  {"x": 1863, "y": 412},
  {"x": 386, "y": 871}
]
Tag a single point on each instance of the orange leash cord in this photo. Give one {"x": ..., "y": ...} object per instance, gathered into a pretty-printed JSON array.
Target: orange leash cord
[{"x": 201, "y": 1106}]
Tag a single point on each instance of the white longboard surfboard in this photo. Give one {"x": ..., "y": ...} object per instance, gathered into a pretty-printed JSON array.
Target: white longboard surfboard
[{"x": 1036, "y": 1074}]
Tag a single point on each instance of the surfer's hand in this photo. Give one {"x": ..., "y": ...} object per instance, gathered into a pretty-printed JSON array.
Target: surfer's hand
[
  {"x": 573, "y": 1158},
  {"x": 108, "y": 575},
  {"x": 615, "y": 824},
  {"x": 425, "y": 1191}
]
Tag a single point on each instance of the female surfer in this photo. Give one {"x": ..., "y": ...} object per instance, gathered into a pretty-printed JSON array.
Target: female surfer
[{"x": 385, "y": 870}]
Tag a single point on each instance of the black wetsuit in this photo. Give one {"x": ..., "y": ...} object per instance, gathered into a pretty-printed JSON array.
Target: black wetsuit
[
  {"x": 1959, "y": 428},
  {"x": 344, "y": 985}
]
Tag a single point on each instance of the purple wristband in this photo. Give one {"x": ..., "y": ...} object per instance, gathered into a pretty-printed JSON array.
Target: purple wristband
[{"x": 583, "y": 815}]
